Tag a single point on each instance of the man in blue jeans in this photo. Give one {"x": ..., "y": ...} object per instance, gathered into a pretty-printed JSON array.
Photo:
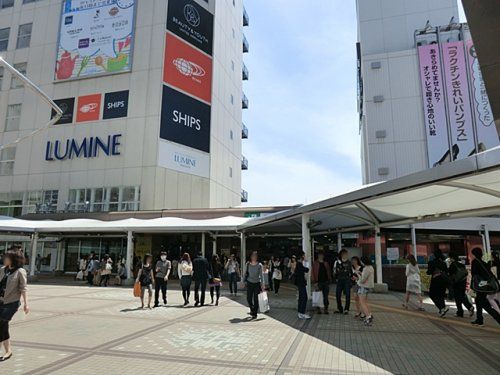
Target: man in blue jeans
[
  {"x": 343, "y": 272},
  {"x": 300, "y": 281}
]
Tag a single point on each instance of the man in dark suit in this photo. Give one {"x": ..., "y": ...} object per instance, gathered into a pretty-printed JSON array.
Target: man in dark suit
[{"x": 201, "y": 273}]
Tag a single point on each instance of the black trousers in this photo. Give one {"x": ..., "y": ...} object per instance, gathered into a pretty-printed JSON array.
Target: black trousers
[
  {"x": 343, "y": 285},
  {"x": 104, "y": 280},
  {"x": 200, "y": 285},
  {"x": 90, "y": 278},
  {"x": 483, "y": 303},
  {"x": 186, "y": 287},
  {"x": 270, "y": 278},
  {"x": 233, "y": 282},
  {"x": 215, "y": 289},
  {"x": 302, "y": 302},
  {"x": 437, "y": 292},
  {"x": 460, "y": 298},
  {"x": 160, "y": 283},
  {"x": 277, "y": 284},
  {"x": 7, "y": 311},
  {"x": 253, "y": 290},
  {"x": 324, "y": 287}
]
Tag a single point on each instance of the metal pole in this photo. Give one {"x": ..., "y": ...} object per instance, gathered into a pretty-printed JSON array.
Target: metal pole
[
  {"x": 214, "y": 246},
  {"x": 378, "y": 254},
  {"x": 243, "y": 259},
  {"x": 414, "y": 240},
  {"x": 130, "y": 253},
  {"x": 487, "y": 240},
  {"x": 34, "y": 245},
  {"x": 306, "y": 248},
  {"x": 203, "y": 244},
  {"x": 339, "y": 242}
]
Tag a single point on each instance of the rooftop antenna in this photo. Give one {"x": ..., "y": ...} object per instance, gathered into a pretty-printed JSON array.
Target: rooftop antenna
[{"x": 40, "y": 93}]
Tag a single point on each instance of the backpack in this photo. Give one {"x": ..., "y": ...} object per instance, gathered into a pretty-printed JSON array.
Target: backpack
[{"x": 461, "y": 274}]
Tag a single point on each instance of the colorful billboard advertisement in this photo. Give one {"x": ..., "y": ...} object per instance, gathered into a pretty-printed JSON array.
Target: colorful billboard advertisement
[
  {"x": 187, "y": 68},
  {"x": 191, "y": 22},
  {"x": 68, "y": 108},
  {"x": 95, "y": 38},
  {"x": 185, "y": 120},
  {"x": 486, "y": 131},
  {"x": 183, "y": 159},
  {"x": 88, "y": 108},
  {"x": 458, "y": 99},
  {"x": 434, "y": 105}
]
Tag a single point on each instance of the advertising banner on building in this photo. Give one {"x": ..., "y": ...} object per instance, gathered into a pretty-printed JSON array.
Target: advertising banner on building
[
  {"x": 183, "y": 159},
  {"x": 434, "y": 105},
  {"x": 115, "y": 105},
  {"x": 458, "y": 100},
  {"x": 68, "y": 108},
  {"x": 88, "y": 108},
  {"x": 185, "y": 120},
  {"x": 187, "y": 68},
  {"x": 486, "y": 131},
  {"x": 191, "y": 22},
  {"x": 184, "y": 143},
  {"x": 95, "y": 38}
]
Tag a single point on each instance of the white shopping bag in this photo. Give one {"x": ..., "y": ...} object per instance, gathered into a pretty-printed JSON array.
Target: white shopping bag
[
  {"x": 263, "y": 303},
  {"x": 79, "y": 275},
  {"x": 317, "y": 299}
]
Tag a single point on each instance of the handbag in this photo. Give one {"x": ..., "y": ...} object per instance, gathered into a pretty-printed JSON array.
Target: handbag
[
  {"x": 79, "y": 275},
  {"x": 460, "y": 275},
  {"x": 317, "y": 299},
  {"x": 489, "y": 286},
  {"x": 137, "y": 289},
  {"x": 263, "y": 303}
]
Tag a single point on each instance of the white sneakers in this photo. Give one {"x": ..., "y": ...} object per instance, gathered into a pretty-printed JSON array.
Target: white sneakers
[{"x": 304, "y": 316}]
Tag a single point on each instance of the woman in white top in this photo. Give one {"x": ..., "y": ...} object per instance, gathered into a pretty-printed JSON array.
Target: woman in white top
[
  {"x": 413, "y": 284},
  {"x": 366, "y": 283},
  {"x": 185, "y": 272}
]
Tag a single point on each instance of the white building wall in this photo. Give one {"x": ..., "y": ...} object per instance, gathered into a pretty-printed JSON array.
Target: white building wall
[{"x": 138, "y": 163}]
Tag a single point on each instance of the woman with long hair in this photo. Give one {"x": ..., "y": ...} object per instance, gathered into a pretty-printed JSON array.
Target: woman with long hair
[
  {"x": 185, "y": 272},
  {"x": 146, "y": 278},
  {"x": 366, "y": 284},
  {"x": 413, "y": 283},
  {"x": 13, "y": 287},
  {"x": 216, "y": 280},
  {"x": 357, "y": 270},
  {"x": 438, "y": 271}
]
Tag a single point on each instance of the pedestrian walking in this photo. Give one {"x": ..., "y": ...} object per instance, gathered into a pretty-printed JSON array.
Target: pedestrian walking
[
  {"x": 321, "y": 277},
  {"x": 233, "y": 270},
  {"x": 413, "y": 282},
  {"x": 254, "y": 280},
  {"x": 439, "y": 281},
  {"x": 91, "y": 269},
  {"x": 301, "y": 268},
  {"x": 201, "y": 274},
  {"x": 343, "y": 273},
  {"x": 121, "y": 274},
  {"x": 106, "y": 268},
  {"x": 366, "y": 284},
  {"x": 482, "y": 275},
  {"x": 13, "y": 288},
  {"x": 216, "y": 280},
  {"x": 494, "y": 298},
  {"x": 162, "y": 269},
  {"x": 357, "y": 269},
  {"x": 146, "y": 278},
  {"x": 458, "y": 281},
  {"x": 277, "y": 270},
  {"x": 185, "y": 272}
]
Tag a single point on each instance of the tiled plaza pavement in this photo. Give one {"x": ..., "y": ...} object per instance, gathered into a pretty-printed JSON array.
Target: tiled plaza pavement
[{"x": 76, "y": 329}]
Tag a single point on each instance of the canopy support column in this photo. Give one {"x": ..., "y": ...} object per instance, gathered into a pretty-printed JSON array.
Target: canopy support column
[
  {"x": 487, "y": 244},
  {"x": 380, "y": 287},
  {"x": 306, "y": 248},
  {"x": 339, "y": 242},
  {"x": 414, "y": 241},
  {"x": 243, "y": 260},
  {"x": 203, "y": 244},
  {"x": 214, "y": 246},
  {"x": 34, "y": 245},
  {"x": 130, "y": 254}
]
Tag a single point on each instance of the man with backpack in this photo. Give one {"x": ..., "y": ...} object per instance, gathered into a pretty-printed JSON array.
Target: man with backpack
[
  {"x": 458, "y": 280},
  {"x": 343, "y": 273}
]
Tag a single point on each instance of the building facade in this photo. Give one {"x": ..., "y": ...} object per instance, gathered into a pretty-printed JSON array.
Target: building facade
[
  {"x": 152, "y": 98},
  {"x": 421, "y": 97}
]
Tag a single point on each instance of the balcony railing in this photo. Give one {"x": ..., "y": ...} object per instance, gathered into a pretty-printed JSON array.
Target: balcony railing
[
  {"x": 244, "y": 196},
  {"x": 244, "y": 131},
  {"x": 244, "y": 102},
  {"x": 246, "y": 19},
  {"x": 244, "y": 163},
  {"x": 244, "y": 72},
  {"x": 246, "y": 46}
]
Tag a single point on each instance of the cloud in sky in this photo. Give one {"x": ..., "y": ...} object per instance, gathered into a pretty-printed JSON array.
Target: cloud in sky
[{"x": 304, "y": 140}]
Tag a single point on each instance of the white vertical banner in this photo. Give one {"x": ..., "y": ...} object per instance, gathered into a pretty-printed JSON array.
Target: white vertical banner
[
  {"x": 436, "y": 126},
  {"x": 458, "y": 100},
  {"x": 486, "y": 131}
]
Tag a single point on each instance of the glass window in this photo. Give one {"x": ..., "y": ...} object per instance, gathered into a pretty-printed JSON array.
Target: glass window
[
  {"x": 1, "y": 76},
  {"x": 98, "y": 201},
  {"x": 114, "y": 199},
  {"x": 4, "y": 39},
  {"x": 24, "y": 35},
  {"x": 11, "y": 204},
  {"x": 13, "y": 117},
  {"x": 16, "y": 82},
  {"x": 30, "y": 1},
  {"x": 6, "y": 3},
  {"x": 7, "y": 157}
]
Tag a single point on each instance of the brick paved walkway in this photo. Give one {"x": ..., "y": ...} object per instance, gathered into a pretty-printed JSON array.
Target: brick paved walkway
[{"x": 76, "y": 329}]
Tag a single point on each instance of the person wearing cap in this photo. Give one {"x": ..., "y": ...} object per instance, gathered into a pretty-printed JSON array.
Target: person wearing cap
[{"x": 162, "y": 269}]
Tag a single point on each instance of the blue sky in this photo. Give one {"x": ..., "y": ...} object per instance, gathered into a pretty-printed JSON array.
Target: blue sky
[{"x": 304, "y": 142}]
